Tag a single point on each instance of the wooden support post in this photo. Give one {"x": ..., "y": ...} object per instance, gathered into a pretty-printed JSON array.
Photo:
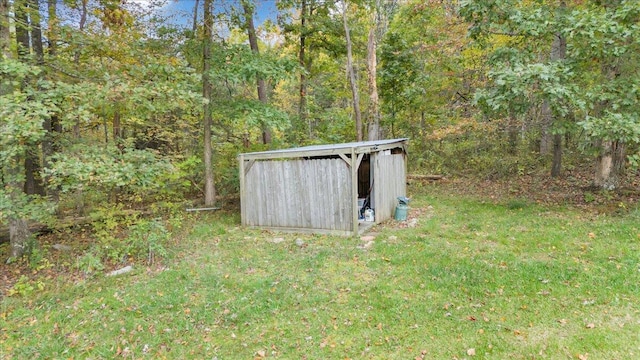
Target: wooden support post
[
  {"x": 242, "y": 173},
  {"x": 354, "y": 190}
]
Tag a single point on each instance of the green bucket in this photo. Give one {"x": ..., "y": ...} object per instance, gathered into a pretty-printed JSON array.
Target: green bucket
[{"x": 401, "y": 212}]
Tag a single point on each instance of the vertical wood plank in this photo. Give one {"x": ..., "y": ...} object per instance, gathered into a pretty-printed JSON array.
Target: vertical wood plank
[
  {"x": 354, "y": 193},
  {"x": 243, "y": 215},
  {"x": 389, "y": 184}
]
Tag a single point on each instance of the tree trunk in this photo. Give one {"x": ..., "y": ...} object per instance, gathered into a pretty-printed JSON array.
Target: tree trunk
[
  {"x": 18, "y": 237},
  {"x": 36, "y": 31},
  {"x": 117, "y": 127},
  {"x": 611, "y": 158},
  {"x": 22, "y": 29},
  {"x": 28, "y": 38},
  {"x": 302, "y": 104},
  {"x": 52, "y": 124},
  {"x": 81, "y": 25},
  {"x": 207, "y": 89},
  {"x": 609, "y": 164},
  {"x": 52, "y": 31},
  {"x": 18, "y": 230},
  {"x": 195, "y": 17},
  {"x": 545, "y": 128},
  {"x": 33, "y": 182},
  {"x": 558, "y": 52},
  {"x": 49, "y": 147},
  {"x": 512, "y": 135},
  {"x": 253, "y": 43},
  {"x": 556, "y": 164},
  {"x": 547, "y": 139},
  {"x": 352, "y": 76},
  {"x": 5, "y": 32},
  {"x": 374, "y": 103}
]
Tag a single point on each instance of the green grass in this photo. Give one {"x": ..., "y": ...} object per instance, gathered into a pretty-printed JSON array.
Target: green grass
[{"x": 512, "y": 280}]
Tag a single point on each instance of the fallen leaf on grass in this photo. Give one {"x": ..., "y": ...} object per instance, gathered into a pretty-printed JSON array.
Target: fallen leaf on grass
[{"x": 583, "y": 357}]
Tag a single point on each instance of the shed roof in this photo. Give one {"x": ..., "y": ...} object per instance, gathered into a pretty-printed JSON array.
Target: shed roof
[{"x": 328, "y": 149}]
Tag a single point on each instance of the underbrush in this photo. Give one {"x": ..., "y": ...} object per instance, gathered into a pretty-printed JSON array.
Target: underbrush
[
  {"x": 487, "y": 154},
  {"x": 111, "y": 239}
]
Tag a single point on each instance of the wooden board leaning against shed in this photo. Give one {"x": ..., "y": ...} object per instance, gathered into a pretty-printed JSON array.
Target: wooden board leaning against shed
[{"x": 316, "y": 188}]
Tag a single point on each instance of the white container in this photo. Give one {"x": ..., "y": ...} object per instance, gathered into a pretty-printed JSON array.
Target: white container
[{"x": 369, "y": 215}]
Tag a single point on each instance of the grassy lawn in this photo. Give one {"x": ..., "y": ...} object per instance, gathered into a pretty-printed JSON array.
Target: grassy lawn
[{"x": 472, "y": 279}]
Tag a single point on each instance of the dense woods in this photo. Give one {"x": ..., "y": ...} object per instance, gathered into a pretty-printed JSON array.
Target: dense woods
[{"x": 112, "y": 106}]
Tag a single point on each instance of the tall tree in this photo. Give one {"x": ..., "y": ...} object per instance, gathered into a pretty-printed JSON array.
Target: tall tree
[
  {"x": 351, "y": 73},
  {"x": 549, "y": 119},
  {"x": 311, "y": 28},
  {"x": 30, "y": 50},
  {"x": 380, "y": 14},
  {"x": 194, "y": 25},
  {"x": 421, "y": 69},
  {"x": 372, "y": 68},
  {"x": 248, "y": 9},
  {"x": 207, "y": 89},
  {"x": 5, "y": 32},
  {"x": 592, "y": 74},
  {"x": 305, "y": 11},
  {"x": 612, "y": 30},
  {"x": 52, "y": 29},
  {"x": 530, "y": 75},
  {"x": 36, "y": 31},
  {"x": 23, "y": 43},
  {"x": 11, "y": 170}
]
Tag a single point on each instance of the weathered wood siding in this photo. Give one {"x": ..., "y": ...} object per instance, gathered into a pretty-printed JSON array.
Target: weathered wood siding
[
  {"x": 309, "y": 194},
  {"x": 390, "y": 181}
]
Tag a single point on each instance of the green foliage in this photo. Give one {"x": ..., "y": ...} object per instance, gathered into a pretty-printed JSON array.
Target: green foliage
[
  {"x": 596, "y": 80},
  {"x": 518, "y": 87},
  {"x": 26, "y": 287},
  {"x": 122, "y": 237},
  {"x": 22, "y": 112},
  {"x": 147, "y": 239},
  {"x": 614, "y": 126},
  {"x": 108, "y": 232},
  {"x": 90, "y": 263},
  {"x": 241, "y": 65},
  {"x": 421, "y": 58},
  {"x": 107, "y": 169},
  {"x": 609, "y": 37}
]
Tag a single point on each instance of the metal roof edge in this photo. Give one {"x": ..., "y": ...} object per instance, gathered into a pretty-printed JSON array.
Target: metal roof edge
[{"x": 327, "y": 149}]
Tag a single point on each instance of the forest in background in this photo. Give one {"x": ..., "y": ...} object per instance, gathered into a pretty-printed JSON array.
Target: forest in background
[{"x": 111, "y": 113}]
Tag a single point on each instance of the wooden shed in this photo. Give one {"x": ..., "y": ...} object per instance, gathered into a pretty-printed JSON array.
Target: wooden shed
[{"x": 318, "y": 188}]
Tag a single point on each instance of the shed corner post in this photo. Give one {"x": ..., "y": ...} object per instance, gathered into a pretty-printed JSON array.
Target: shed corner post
[
  {"x": 405, "y": 156},
  {"x": 241, "y": 174},
  {"x": 354, "y": 191}
]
